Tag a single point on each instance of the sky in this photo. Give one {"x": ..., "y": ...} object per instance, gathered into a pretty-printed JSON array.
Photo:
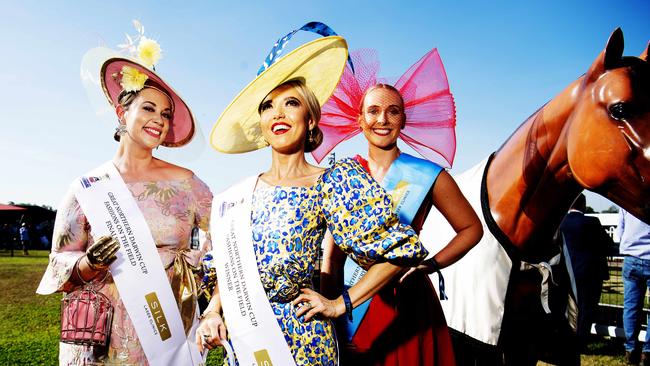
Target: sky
[{"x": 503, "y": 60}]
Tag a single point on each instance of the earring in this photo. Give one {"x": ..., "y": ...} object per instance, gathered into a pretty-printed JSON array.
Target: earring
[
  {"x": 120, "y": 130},
  {"x": 311, "y": 136}
]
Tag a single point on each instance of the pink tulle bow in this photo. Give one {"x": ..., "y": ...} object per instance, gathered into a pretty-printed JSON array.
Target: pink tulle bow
[{"x": 428, "y": 104}]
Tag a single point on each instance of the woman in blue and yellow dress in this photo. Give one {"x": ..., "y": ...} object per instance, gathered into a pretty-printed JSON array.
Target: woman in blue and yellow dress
[{"x": 293, "y": 203}]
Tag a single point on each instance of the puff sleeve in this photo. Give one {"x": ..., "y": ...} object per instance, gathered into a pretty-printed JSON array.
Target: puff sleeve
[
  {"x": 359, "y": 214},
  {"x": 70, "y": 239},
  {"x": 200, "y": 206}
]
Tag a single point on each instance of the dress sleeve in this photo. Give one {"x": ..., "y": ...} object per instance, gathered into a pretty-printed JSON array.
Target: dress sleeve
[
  {"x": 202, "y": 206},
  {"x": 203, "y": 199},
  {"x": 360, "y": 217},
  {"x": 70, "y": 239}
]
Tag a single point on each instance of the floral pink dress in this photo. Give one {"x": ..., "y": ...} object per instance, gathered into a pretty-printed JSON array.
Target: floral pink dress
[{"x": 172, "y": 209}]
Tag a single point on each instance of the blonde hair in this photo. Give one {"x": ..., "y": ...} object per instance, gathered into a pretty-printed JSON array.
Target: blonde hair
[
  {"x": 380, "y": 86},
  {"x": 314, "y": 136}
]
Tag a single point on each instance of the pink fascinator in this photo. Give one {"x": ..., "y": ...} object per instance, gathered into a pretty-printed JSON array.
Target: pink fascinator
[{"x": 428, "y": 104}]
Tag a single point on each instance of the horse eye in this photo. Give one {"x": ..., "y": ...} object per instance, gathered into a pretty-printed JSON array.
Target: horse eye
[{"x": 620, "y": 111}]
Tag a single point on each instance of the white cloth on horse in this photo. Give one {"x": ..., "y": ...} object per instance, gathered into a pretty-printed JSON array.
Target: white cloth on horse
[{"x": 477, "y": 283}]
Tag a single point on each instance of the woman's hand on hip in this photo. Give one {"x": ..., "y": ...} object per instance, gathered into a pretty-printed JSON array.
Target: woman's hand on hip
[{"x": 312, "y": 304}]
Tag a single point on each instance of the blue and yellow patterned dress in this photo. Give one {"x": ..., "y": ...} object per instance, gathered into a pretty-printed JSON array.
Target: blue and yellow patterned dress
[{"x": 288, "y": 225}]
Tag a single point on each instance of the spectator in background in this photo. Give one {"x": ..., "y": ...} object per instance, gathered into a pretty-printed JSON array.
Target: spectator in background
[
  {"x": 635, "y": 246},
  {"x": 24, "y": 237},
  {"x": 588, "y": 243}
]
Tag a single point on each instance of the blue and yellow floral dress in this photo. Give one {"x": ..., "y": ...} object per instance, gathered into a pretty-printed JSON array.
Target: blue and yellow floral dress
[{"x": 288, "y": 225}]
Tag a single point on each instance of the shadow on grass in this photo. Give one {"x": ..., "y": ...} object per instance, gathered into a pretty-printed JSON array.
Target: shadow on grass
[{"x": 603, "y": 352}]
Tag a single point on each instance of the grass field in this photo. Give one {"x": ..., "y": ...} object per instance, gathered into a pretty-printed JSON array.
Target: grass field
[{"x": 29, "y": 323}]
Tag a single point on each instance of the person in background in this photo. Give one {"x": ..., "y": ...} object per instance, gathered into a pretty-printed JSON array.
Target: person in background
[
  {"x": 587, "y": 242},
  {"x": 24, "y": 237},
  {"x": 635, "y": 246}
]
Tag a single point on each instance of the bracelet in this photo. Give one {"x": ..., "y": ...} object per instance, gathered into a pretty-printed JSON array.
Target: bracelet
[
  {"x": 435, "y": 265},
  {"x": 202, "y": 316},
  {"x": 348, "y": 303},
  {"x": 441, "y": 280},
  {"x": 78, "y": 271},
  {"x": 90, "y": 265},
  {"x": 95, "y": 267}
]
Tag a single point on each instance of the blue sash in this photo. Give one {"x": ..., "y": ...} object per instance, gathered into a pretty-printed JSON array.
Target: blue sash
[{"x": 408, "y": 181}]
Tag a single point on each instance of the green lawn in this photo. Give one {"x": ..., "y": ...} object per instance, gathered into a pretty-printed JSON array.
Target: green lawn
[{"x": 30, "y": 323}]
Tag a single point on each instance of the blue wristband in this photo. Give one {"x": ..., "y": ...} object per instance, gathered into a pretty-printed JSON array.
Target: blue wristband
[
  {"x": 348, "y": 303},
  {"x": 441, "y": 280}
]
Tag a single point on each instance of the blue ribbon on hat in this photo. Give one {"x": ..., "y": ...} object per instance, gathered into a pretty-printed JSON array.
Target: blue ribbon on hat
[{"x": 314, "y": 27}]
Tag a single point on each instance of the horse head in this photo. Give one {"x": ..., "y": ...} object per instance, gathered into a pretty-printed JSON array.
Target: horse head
[{"x": 608, "y": 139}]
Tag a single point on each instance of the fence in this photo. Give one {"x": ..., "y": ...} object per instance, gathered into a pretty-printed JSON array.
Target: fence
[{"x": 609, "y": 319}]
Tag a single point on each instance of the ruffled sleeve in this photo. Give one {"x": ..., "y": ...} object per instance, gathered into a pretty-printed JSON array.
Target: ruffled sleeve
[
  {"x": 202, "y": 204},
  {"x": 359, "y": 215},
  {"x": 69, "y": 242},
  {"x": 203, "y": 200}
]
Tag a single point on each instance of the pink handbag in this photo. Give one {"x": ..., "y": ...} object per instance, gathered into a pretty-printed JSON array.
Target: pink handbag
[{"x": 86, "y": 315}]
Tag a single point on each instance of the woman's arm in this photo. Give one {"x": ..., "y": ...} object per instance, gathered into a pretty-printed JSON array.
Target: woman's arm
[
  {"x": 374, "y": 280},
  {"x": 331, "y": 271},
  {"x": 360, "y": 217},
  {"x": 453, "y": 205},
  {"x": 96, "y": 261},
  {"x": 72, "y": 246},
  {"x": 211, "y": 330}
]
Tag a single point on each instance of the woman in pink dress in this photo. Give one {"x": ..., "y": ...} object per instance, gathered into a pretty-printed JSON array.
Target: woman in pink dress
[{"x": 174, "y": 202}]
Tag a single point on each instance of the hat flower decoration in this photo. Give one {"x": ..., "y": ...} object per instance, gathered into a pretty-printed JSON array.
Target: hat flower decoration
[{"x": 147, "y": 51}]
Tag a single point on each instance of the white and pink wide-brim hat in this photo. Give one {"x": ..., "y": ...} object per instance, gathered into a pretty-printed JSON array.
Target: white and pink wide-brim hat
[{"x": 182, "y": 128}]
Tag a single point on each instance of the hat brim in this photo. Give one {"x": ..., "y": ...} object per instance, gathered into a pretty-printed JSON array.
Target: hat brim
[
  {"x": 182, "y": 127},
  {"x": 319, "y": 64}
]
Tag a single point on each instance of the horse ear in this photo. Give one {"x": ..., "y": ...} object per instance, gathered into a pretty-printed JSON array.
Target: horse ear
[
  {"x": 644, "y": 55},
  {"x": 610, "y": 57}
]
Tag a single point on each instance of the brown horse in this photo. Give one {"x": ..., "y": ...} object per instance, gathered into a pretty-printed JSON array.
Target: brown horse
[{"x": 594, "y": 135}]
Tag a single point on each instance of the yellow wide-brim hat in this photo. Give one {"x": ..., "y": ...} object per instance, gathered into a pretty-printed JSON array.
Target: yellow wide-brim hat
[{"x": 319, "y": 64}]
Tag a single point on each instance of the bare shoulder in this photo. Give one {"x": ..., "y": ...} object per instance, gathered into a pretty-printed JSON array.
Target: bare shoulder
[
  {"x": 445, "y": 189},
  {"x": 169, "y": 171}
]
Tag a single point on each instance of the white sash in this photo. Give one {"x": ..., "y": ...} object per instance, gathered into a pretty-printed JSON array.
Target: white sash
[
  {"x": 254, "y": 331},
  {"x": 138, "y": 271}
]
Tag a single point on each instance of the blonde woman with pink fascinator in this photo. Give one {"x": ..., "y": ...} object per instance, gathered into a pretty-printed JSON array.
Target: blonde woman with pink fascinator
[{"x": 403, "y": 324}]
